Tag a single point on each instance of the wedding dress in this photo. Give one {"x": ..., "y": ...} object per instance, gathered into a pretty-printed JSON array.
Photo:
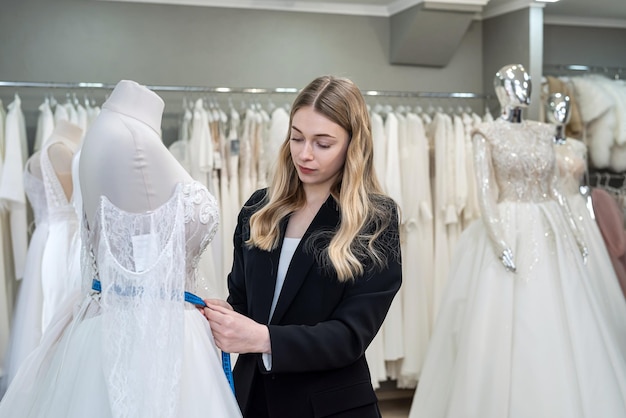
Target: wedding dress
[
  {"x": 132, "y": 347},
  {"x": 535, "y": 342}
]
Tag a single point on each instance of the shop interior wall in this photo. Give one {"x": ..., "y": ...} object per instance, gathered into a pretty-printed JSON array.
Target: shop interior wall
[
  {"x": 88, "y": 40},
  {"x": 595, "y": 46}
]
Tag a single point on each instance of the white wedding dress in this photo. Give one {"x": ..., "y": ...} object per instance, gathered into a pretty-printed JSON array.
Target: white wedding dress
[
  {"x": 59, "y": 273},
  {"x": 572, "y": 163},
  {"x": 135, "y": 349},
  {"x": 534, "y": 343},
  {"x": 26, "y": 326}
]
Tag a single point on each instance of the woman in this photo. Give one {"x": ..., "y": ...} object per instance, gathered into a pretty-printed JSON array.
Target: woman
[{"x": 316, "y": 266}]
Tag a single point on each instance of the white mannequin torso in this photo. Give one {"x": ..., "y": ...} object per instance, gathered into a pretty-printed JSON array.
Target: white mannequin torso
[{"x": 123, "y": 156}]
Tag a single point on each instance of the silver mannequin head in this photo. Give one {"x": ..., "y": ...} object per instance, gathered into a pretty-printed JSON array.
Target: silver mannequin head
[
  {"x": 558, "y": 113},
  {"x": 512, "y": 85}
]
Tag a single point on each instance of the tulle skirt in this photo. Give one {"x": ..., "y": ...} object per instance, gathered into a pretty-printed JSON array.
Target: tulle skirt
[
  {"x": 64, "y": 377},
  {"x": 26, "y": 326},
  {"x": 536, "y": 343}
]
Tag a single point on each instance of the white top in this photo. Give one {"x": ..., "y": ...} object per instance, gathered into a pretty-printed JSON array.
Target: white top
[{"x": 286, "y": 254}]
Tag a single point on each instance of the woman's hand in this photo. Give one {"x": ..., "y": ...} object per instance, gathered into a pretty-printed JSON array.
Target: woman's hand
[
  {"x": 218, "y": 302},
  {"x": 236, "y": 333}
]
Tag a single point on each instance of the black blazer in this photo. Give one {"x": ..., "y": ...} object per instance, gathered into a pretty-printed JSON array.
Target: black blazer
[{"x": 320, "y": 327}]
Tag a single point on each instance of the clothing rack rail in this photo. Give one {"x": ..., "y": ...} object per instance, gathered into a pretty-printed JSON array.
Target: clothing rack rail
[
  {"x": 245, "y": 90},
  {"x": 576, "y": 69}
]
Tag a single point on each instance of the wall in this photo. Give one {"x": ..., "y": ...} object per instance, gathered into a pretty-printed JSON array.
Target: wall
[
  {"x": 584, "y": 45},
  {"x": 87, "y": 40}
]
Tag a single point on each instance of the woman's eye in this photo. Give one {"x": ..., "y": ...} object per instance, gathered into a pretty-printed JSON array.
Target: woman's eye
[
  {"x": 296, "y": 139},
  {"x": 321, "y": 145}
]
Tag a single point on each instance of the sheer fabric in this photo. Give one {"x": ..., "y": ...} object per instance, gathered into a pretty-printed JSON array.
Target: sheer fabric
[
  {"x": 26, "y": 326},
  {"x": 532, "y": 343},
  {"x": 135, "y": 349}
]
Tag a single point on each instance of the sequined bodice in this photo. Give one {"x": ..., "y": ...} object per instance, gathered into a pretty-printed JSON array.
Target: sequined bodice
[
  {"x": 572, "y": 163},
  {"x": 523, "y": 159}
]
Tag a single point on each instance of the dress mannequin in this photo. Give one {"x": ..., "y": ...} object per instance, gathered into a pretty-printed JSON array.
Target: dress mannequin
[
  {"x": 558, "y": 113},
  {"x": 125, "y": 142},
  {"x": 572, "y": 164},
  {"x": 61, "y": 153},
  {"x": 59, "y": 270},
  {"x": 130, "y": 344},
  {"x": 527, "y": 336},
  {"x": 513, "y": 87}
]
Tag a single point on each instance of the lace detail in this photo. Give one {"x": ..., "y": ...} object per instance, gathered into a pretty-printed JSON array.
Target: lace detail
[
  {"x": 137, "y": 258},
  {"x": 201, "y": 222},
  {"x": 572, "y": 164},
  {"x": 58, "y": 204}
]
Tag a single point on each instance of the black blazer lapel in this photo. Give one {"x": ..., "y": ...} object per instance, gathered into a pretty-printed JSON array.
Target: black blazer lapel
[
  {"x": 263, "y": 281},
  {"x": 326, "y": 218}
]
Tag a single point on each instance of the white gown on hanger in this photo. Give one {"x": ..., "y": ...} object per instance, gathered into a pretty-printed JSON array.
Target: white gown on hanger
[
  {"x": 26, "y": 326},
  {"x": 534, "y": 343},
  {"x": 136, "y": 349}
]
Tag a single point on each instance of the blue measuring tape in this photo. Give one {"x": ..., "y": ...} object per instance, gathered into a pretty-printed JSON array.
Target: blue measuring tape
[{"x": 195, "y": 300}]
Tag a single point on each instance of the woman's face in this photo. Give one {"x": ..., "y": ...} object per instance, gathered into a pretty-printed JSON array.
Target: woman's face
[{"x": 318, "y": 147}]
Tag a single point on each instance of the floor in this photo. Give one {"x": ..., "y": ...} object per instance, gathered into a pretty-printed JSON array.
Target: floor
[
  {"x": 395, "y": 408},
  {"x": 393, "y": 402}
]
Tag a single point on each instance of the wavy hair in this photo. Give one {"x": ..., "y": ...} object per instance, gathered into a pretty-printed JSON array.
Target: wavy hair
[{"x": 365, "y": 212}]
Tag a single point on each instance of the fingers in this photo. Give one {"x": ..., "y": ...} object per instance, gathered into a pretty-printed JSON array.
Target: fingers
[{"x": 218, "y": 302}]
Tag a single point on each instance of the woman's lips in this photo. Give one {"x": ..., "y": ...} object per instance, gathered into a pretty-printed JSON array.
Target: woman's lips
[{"x": 305, "y": 170}]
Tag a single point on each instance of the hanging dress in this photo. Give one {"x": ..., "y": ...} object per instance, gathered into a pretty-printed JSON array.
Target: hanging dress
[{"x": 26, "y": 325}]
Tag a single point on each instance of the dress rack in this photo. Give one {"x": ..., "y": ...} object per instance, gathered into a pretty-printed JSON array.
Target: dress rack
[{"x": 245, "y": 90}]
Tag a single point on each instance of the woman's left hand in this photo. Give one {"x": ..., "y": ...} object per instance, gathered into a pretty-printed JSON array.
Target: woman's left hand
[{"x": 236, "y": 333}]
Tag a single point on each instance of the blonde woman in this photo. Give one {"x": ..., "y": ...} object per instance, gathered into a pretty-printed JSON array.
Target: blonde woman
[{"x": 316, "y": 266}]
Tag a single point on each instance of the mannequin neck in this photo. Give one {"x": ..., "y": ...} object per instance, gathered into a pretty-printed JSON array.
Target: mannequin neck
[
  {"x": 136, "y": 101},
  {"x": 68, "y": 130},
  {"x": 512, "y": 114},
  {"x": 559, "y": 136}
]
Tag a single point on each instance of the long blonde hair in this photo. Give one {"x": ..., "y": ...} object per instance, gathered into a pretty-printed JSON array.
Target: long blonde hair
[{"x": 364, "y": 211}]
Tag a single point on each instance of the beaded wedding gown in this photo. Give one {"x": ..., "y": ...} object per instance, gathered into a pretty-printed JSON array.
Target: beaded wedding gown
[
  {"x": 572, "y": 162},
  {"x": 531, "y": 343},
  {"x": 132, "y": 348}
]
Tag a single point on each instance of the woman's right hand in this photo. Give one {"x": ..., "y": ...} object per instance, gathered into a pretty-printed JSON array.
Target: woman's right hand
[{"x": 218, "y": 302}]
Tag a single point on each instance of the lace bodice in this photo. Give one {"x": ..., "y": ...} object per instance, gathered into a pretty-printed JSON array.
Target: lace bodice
[
  {"x": 121, "y": 230},
  {"x": 145, "y": 262},
  {"x": 522, "y": 158},
  {"x": 572, "y": 164},
  {"x": 36, "y": 193}
]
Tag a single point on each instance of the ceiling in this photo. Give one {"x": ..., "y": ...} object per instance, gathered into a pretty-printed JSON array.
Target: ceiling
[{"x": 578, "y": 12}]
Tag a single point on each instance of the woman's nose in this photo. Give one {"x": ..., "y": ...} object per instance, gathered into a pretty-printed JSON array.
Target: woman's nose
[{"x": 306, "y": 152}]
